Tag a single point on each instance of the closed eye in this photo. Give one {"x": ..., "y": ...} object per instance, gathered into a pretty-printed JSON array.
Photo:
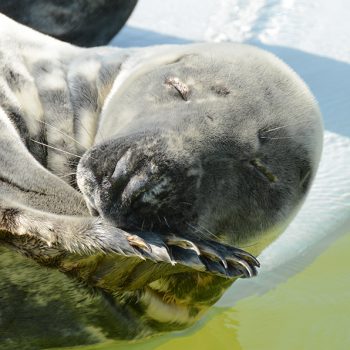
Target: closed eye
[
  {"x": 263, "y": 170},
  {"x": 179, "y": 86}
]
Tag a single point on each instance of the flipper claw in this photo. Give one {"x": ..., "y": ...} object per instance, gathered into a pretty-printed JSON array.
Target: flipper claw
[
  {"x": 138, "y": 242},
  {"x": 182, "y": 243},
  {"x": 201, "y": 255}
]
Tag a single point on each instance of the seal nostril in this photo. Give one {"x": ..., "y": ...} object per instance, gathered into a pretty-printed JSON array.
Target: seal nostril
[
  {"x": 136, "y": 186},
  {"x": 120, "y": 177},
  {"x": 121, "y": 169}
]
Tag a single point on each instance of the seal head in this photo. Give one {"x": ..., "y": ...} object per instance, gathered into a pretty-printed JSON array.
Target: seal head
[
  {"x": 211, "y": 141},
  {"x": 225, "y": 142}
]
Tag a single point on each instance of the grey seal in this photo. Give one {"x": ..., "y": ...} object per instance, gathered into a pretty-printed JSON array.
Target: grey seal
[
  {"x": 143, "y": 173},
  {"x": 85, "y": 23}
]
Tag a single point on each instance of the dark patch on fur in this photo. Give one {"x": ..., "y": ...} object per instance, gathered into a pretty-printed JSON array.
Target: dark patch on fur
[
  {"x": 13, "y": 113},
  {"x": 18, "y": 121},
  {"x": 87, "y": 97},
  {"x": 22, "y": 189},
  {"x": 13, "y": 78},
  {"x": 39, "y": 151},
  {"x": 107, "y": 74},
  {"x": 55, "y": 98}
]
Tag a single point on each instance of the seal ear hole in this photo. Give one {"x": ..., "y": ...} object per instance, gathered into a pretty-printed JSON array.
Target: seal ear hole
[
  {"x": 263, "y": 170},
  {"x": 220, "y": 90}
]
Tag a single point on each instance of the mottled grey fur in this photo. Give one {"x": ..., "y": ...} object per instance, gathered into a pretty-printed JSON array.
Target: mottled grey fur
[{"x": 197, "y": 145}]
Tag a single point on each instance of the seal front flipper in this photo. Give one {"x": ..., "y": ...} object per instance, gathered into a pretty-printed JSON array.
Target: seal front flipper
[
  {"x": 201, "y": 255},
  {"x": 88, "y": 235},
  {"x": 82, "y": 235}
]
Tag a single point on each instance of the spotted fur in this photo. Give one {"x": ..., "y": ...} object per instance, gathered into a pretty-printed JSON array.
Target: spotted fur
[{"x": 169, "y": 154}]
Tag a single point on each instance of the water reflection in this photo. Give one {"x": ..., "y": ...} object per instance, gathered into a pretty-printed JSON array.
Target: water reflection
[{"x": 309, "y": 311}]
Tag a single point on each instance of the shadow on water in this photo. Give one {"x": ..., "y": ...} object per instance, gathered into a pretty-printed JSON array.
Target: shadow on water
[
  {"x": 328, "y": 79},
  {"x": 131, "y": 37}
]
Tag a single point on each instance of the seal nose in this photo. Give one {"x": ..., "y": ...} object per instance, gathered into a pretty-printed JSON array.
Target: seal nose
[
  {"x": 122, "y": 168},
  {"x": 146, "y": 190},
  {"x": 136, "y": 186},
  {"x": 132, "y": 181}
]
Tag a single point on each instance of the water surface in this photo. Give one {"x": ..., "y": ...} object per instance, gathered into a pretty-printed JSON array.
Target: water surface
[{"x": 311, "y": 310}]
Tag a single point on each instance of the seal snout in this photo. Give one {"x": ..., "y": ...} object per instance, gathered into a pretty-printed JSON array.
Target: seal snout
[
  {"x": 136, "y": 184},
  {"x": 224, "y": 148}
]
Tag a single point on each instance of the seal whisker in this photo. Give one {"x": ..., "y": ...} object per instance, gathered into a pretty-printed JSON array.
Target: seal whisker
[
  {"x": 62, "y": 133},
  {"x": 186, "y": 203},
  {"x": 197, "y": 230},
  {"x": 191, "y": 226},
  {"x": 66, "y": 175},
  {"x": 248, "y": 245},
  {"x": 204, "y": 228},
  {"x": 282, "y": 127},
  {"x": 72, "y": 162},
  {"x": 82, "y": 200},
  {"x": 55, "y": 148},
  {"x": 166, "y": 222},
  {"x": 93, "y": 135},
  {"x": 277, "y": 138}
]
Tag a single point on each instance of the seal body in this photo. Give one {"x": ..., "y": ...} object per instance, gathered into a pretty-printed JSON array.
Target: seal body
[
  {"x": 175, "y": 154},
  {"x": 86, "y": 23}
]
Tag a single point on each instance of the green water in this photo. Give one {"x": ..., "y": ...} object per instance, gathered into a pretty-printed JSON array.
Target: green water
[{"x": 311, "y": 310}]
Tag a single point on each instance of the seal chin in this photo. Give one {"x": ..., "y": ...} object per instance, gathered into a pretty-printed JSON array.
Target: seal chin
[
  {"x": 164, "y": 308},
  {"x": 181, "y": 300}
]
